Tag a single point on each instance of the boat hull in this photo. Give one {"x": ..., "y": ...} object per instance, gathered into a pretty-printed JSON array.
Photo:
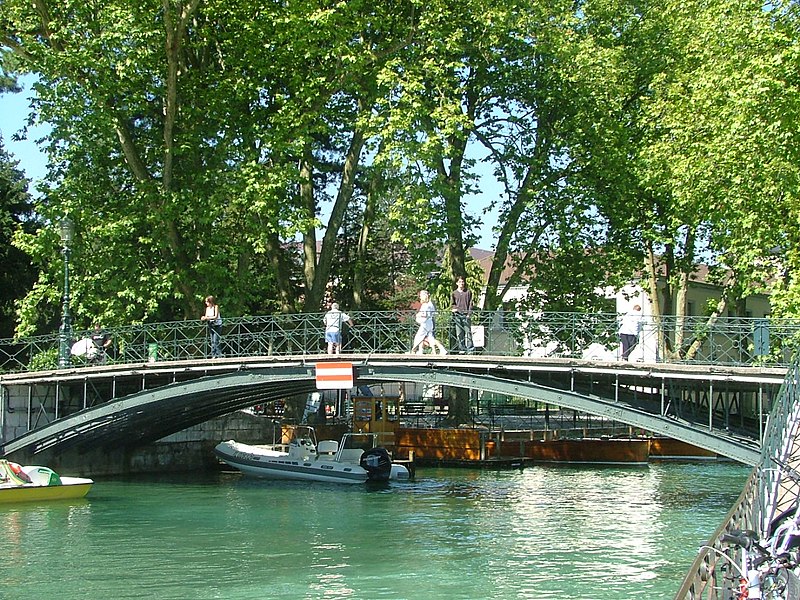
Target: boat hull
[
  {"x": 271, "y": 465},
  {"x": 70, "y": 488}
]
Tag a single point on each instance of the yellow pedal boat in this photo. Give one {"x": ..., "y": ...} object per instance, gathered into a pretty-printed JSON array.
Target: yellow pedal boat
[{"x": 28, "y": 484}]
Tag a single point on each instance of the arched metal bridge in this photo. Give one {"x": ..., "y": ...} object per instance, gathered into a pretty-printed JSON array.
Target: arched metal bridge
[{"x": 722, "y": 409}]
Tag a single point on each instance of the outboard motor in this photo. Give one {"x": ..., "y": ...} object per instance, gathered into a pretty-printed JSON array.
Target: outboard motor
[{"x": 377, "y": 463}]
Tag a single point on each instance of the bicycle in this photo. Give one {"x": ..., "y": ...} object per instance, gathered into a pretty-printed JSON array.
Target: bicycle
[{"x": 762, "y": 574}]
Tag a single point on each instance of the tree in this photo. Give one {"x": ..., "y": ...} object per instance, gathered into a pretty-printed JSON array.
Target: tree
[
  {"x": 734, "y": 108},
  {"x": 251, "y": 151},
  {"x": 694, "y": 156},
  {"x": 190, "y": 156},
  {"x": 498, "y": 83},
  {"x": 18, "y": 274},
  {"x": 722, "y": 152}
]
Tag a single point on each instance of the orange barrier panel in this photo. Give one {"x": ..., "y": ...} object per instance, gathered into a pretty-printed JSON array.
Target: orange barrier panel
[{"x": 439, "y": 444}]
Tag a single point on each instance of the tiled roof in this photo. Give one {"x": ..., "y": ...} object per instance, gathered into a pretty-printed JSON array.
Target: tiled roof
[{"x": 484, "y": 259}]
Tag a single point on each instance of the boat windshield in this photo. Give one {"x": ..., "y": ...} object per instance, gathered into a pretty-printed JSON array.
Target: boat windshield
[
  {"x": 304, "y": 436},
  {"x": 363, "y": 441}
]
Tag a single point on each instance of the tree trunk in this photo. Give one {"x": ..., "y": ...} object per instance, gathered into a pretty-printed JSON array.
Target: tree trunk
[
  {"x": 651, "y": 269},
  {"x": 282, "y": 270},
  {"x": 315, "y": 287},
  {"x": 362, "y": 249},
  {"x": 459, "y": 409},
  {"x": 308, "y": 201}
]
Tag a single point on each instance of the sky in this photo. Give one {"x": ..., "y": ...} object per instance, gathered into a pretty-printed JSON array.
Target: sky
[{"x": 14, "y": 109}]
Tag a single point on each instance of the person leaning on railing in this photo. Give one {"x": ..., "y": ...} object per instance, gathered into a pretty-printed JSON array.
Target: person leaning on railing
[
  {"x": 214, "y": 321},
  {"x": 629, "y": 329},
  {"x": 334, "y": 319},
  {"x": 102, "y": 342}
]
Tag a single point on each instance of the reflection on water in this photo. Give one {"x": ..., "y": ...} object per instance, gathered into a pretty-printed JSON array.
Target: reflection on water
[{"x": 545, "y": 532}]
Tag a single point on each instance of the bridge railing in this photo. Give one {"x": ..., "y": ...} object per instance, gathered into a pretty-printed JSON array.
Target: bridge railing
[
  {"x": 771, "y": 494},
  {"x": 726, "y": 341}
]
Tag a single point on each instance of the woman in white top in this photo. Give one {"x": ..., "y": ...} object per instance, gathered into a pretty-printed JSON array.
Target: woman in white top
[
  {"x": 629, "y": 329},
  {"x": 424, "y": 318},
  {"x": 214, "y": 322}
]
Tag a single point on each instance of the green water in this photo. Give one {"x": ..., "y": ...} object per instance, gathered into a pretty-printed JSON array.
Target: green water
[{"x": 545, "y": 532}]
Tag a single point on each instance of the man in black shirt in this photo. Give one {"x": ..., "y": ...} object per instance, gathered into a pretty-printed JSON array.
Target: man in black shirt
[
  {"x": 102, "y": 341},
  {"x": 461, "y": 305}
]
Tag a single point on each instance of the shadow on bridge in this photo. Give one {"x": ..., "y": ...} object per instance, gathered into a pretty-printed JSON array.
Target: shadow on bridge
[{"x": 719, "y": 409}]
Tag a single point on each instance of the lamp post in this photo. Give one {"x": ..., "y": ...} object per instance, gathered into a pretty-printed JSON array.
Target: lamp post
[{"x": 67, "y": 231}]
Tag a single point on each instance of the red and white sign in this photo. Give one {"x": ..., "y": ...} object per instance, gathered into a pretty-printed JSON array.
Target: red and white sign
[{"x": 334, "y": 375}]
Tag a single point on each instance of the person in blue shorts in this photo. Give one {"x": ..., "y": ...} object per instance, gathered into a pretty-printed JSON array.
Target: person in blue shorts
[{"x": 334, "y": 319}]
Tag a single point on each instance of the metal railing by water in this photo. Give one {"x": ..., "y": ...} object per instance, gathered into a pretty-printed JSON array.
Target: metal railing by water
[
  {"x": 772, "y": 490},
  {"x": 728, "y": 341}
]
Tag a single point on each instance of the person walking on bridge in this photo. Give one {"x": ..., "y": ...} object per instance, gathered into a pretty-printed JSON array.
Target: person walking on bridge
[{"x": 425, "y": 319}]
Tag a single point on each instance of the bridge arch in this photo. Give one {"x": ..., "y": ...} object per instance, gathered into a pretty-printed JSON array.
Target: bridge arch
[{"x": 147, "y": 416}]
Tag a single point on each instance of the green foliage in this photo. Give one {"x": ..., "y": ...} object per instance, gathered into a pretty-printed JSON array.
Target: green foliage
[
  {"x": 17, "y": 274},
  {"x": 718, "y": 145},
  {"x": 44, "y": 361},
  {"x": 202, "y": 148}
]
